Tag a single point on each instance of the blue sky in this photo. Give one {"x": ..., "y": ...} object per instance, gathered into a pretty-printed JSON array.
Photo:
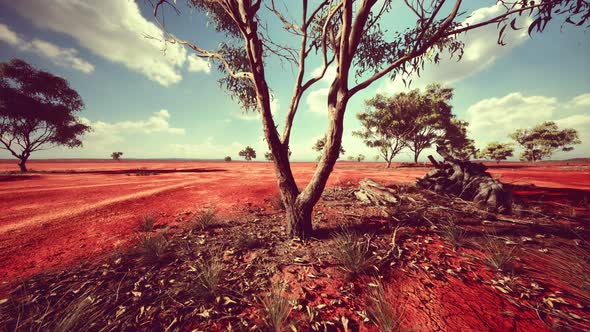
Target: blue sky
[{"x": 151, "y": 103}]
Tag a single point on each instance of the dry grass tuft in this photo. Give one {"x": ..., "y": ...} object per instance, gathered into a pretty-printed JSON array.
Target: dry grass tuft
[
  {"x": 208, "y": 278},
  {"x": 151, "y": 247},
  {"x": 498, "y": 255},
  {"x": 205, "y": 220},
  {"x": 454, "y": 234},
  {"x": 353, "y": 252},
  {"x": 277, "y": 308},
  {"x": 147, "y": 223},
  {"x": 385, "y": 315}
]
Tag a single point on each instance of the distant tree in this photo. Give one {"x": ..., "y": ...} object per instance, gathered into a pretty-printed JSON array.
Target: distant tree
[
  {"x": 248, "y": 153},
  {"x": 321, "y": 143},
  {"x": 496, "y": 151},
  {"x": 456, "y": 142},
  {"x": 543, "y": 140},
  {"x": 268, "y": 156},
  {"x": 377, "y": 157},
  {"x": 360, "y": 157},
  {"x": 349, "y": 36},
  {"x": 227, "y": 159},
  {"x": 385, "y": 125},
  {"x": 37, "y": 111},
  {"x": 351, "y": 158},
  {"x": 116, "y": 155}
]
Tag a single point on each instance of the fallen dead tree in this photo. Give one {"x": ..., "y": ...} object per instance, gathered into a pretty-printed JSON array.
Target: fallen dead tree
[
  {"x": 371, "y": 192},
  {"x": 467, "y": 180}
]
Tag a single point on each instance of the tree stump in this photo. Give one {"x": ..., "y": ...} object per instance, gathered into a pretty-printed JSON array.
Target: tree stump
[{"x": 467, "y": 180}]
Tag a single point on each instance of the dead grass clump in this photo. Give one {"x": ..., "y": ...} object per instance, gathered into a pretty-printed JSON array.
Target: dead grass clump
[
  {"x": 277, "y": 308},
  {"x": 208, "y": 278},
  {"x": 147, "y": 223},
  {"x": 385, "y": 315},
  {"x": 571, "y": 267},
  {"x": 205, "y": 220},
  {"x": 80, "y": 315},
  {"x": 454, "y": 234},
  {"x": 498, "y": 256},
  {"x": 151, "y": 247},
  {"x": 352, "y": 251}
]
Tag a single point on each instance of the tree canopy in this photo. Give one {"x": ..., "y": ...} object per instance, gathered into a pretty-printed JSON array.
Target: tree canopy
[
  {"x": 321, "y": 143},
  {"x": 116, "y": 155},
  {"x": 543, "y": 140},
  {"x": 385, "y": 126},
  {"x": 456, "y": 140},
  {"x": 37, "y": 111},
  {"x": 349, "y": 36},
  {"x": 496, "y": 151},
  {"x": 248, "y": 153}
]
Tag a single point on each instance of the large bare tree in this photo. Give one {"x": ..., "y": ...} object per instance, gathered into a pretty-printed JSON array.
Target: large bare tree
[{"x": 348, "y": 35}]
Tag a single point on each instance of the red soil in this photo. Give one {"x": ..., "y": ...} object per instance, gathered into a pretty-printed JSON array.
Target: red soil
[{"x": 52, "y": 220}]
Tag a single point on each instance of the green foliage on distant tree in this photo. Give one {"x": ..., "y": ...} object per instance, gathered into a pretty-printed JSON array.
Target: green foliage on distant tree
[
  {"x": 360, "y": 157},
  {"x": 116, "y": 155},
  {"x": 227, "y": 159},
  {"x": 456, "y": 141},
  {"x": 268, "y": 155},
  {"x": 321, "y": 143},
  {"x": 543, "y": 140},
  {"x": 37, "y": 111},
  {"x": 248, "y": 153},
  {"x": 385, "y": 125},
  {"x": 496, "y": 151}
]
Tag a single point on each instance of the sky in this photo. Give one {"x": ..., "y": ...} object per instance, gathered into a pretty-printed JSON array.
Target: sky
[{"x": 151, "y": 100}]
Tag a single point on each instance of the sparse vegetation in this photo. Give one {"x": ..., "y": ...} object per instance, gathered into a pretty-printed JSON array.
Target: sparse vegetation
[
  {"x": 151, "y": 247},
  {"x": 206, "y": 219},
  {"x": 116, "y": 155},
  {"x": 453, "y": 233},
  {"x": 248, "y": 153},
  {"x": 227, "y": 159},
  {"x": 498, "y": 255},
  {"x": 147, "y": 223},
  {"x": 277, "y": 308},
  {"x": 571, "y": 267},
  {"x": 352, "y": 251},
  {"x": 208, "y": 277},
  {"x": 387, "y": 316}
]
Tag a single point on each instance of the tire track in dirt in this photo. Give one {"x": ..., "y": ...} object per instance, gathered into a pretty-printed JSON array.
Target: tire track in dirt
[{"x": 75, "y": 211}]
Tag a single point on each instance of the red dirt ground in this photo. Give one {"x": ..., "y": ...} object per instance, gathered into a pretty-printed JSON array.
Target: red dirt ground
[{"x": 72, "y": 211}]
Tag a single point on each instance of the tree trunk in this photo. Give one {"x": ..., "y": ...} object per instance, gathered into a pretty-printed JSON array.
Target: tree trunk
[
  {"x": 299, "y": 220},
  {"x": 416, "y": 154},
  {"x": 23, "y": 166},
  {"x": 388, "y": 164}
]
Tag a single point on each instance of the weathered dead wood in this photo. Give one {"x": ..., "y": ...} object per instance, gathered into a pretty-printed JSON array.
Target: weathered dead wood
[
  {"x": 467, "y": 180},
  {"x": 374, "y": 193}
]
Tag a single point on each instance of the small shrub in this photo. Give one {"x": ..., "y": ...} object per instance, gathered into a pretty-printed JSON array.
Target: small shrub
[
  {"x": 498, "y": 256},
  {"x": 381, "y": 312},
  {"x": 208, "y": 277},
  {"x": 147, "y": 223},
  {"x": 151, "y": 247},
  {"x": 276, "y": 202},
  {"x": 352, "y": 252},
  {"x": 277, "y": 309},
  {"x": 205, "y": 220}
]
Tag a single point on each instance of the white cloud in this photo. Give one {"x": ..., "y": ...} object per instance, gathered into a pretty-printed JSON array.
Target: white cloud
[
  {"x": 481, "y": 51},
  {"x": 581, "y": 101},
  {"x": 65, "y": 57},
  {"x": 317, "y": 101},
  {"x": 493, "y": 119},
  {"x": 105, "y": 134},
  {"x": 112, "y": 29},
  {"x": 196, "y": 64}
]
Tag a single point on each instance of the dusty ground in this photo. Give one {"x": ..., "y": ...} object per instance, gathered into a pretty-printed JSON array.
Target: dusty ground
[{"x": 73, "y": 211}]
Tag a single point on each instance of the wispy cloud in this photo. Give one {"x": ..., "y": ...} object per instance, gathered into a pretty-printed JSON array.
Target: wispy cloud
[{"x": 65, "y": 57}]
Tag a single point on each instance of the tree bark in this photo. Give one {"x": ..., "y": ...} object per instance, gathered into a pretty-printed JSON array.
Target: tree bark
[
  {"x": 22, "y": 165},
  {"x": 299, "y": 222}
]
